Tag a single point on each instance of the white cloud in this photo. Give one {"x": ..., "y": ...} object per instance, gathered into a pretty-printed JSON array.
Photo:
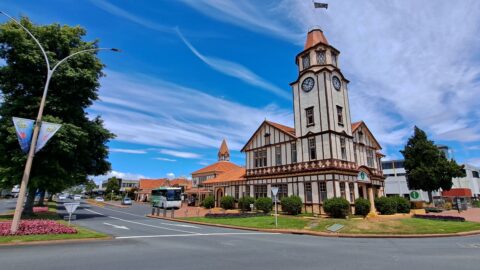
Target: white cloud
[
  {"x": 474, "y": 161},
  {"x": 170, "y": 175},
  {"x": 410, "y": 62},
  {"x": 165, "y": 159},
  {"x": 162, "y": 114},
  {"x": 179, "y": 153},
  {"x": 122, "y": 175},
  {"x": 235, "y": 70},
  {"x": 128, "y": 151}
]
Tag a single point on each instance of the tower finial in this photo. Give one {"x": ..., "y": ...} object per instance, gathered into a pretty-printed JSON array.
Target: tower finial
[{"x": 223, "y": 152}]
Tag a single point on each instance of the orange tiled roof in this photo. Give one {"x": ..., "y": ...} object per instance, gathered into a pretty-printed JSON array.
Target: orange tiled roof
[
  {"x": 221, "y": 166},
  {"x": 180, "y": 182},
  {"x": 356, "y": 125},
  {"x": 283, "y": 128},
  {"x": 152, "y": 183},
  {"x": 457, "y": 192},
  {"x": 236, "y": 174},
  {"x": 314, "y": 37}
]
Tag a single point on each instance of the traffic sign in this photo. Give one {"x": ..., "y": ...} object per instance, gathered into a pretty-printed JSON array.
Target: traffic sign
[
  {"x": 70, "y": 207},
  {"x": 274, "y": 191}
]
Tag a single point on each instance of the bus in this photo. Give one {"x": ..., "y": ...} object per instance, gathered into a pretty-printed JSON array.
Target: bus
[{"x": 167, "y": 197}]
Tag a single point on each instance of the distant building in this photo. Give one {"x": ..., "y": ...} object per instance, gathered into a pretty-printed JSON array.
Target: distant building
[
  {"x": 124, "y": 184},
  {"x": 146, "y": 186}
]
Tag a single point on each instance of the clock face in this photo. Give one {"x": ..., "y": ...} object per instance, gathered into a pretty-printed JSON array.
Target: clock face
[
  {"x": 336, "y": 82},
  {"x": 308, "y": 84}
]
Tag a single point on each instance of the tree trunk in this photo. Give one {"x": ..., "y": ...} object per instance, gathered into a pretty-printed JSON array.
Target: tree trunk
[
  {"x": 430, "y": 197},
  {"x": 28, "y": 209},
  {"x": 50, "y": 197},
  {"x": 42, "y": 198}
]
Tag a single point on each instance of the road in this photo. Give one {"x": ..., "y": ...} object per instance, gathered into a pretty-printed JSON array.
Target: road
[{"x": 143, "y": 243}]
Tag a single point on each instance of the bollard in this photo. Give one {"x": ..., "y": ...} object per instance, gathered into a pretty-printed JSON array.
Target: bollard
[
  {"x": 172, "y": 213},
  {"x": 158, "y": 211},
  {"x": 153, "y": 210},
  {"x": 164, "y": 212}
]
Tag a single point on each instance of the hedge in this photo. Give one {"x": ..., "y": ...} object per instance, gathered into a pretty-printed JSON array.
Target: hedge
[
  {"x": 264, "y": 204},
  {"x": 292, "y": 205},
  {"x": 209, "y": 202},
  {"x": 244, "y": 203},
  {"x": 362, "y": 207},
  {"x": 227, "y": 202},
  {"x": 386, "y": 205},
  {"x": 336, "y": 207},
  {"x": 403, "y": 205}
]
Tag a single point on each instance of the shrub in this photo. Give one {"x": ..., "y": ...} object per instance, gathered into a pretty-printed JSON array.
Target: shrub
[
  {"x": 227, "y": 202},
  {"x": 209, "y": 202},
  {"x": 403, "y": 205},
  {"x": 292, "y": 205},
  {"x": 475, "y": 204},
  {"x": 336, "y": 207},
  {"x": 362, "y": 207},
  {"x": 386, "y": 205},
  {"x": 244, "y": 203},
  {"x": 264, "y": 204}
]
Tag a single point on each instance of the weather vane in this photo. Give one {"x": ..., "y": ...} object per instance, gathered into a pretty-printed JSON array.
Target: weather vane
[{"x": 320, "y": 5}]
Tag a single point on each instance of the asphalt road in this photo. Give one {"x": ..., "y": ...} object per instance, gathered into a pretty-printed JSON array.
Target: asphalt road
[
  {"x": 143, "y": 243},
  {"x": 7, "y": 205}
]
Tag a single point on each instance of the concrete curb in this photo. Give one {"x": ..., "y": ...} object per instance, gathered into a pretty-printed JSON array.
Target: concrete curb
[
  {"x": 55, "y": 242},
  {"x": 324, "y": 234}
]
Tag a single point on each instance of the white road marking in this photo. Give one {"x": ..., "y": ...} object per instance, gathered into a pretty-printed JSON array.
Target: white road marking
[
  {"x": 139, "y": 223},
  {"x": 197, "y": 234},
  {"x": 168, "y": 224},
  {"x": 117, "y": 226}
]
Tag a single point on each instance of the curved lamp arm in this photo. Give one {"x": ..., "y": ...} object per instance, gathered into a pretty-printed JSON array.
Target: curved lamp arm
[
  {"x": 82, "y": 51},
  {"x": 36, "y": 40}
]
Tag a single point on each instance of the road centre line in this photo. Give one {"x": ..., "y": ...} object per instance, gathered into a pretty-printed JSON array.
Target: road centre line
[
  {"x": 139, "y": 223},
  {"x": 197, "y": 234}
]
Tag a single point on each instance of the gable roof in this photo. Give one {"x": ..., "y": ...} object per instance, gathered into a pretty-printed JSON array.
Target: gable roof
[
  {"x": 180, "y": 182},
  {"x": 152, "y": 183},
  {"x": 236, "y": 174},
  {"x": 358, "y": 124},
  {"x": 220, "y": 166},
  {"x": 285, "y": 129}
]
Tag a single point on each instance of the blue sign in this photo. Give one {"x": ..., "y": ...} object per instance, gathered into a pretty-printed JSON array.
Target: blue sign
[
  {"x": 24, "y": 130},
  {"x": 47, "y": 130}
]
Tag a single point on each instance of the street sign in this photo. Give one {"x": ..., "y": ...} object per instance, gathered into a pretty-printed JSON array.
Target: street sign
[
  {"x": 274, "y": 191},
  {"x": 415, "y": 196},
  {"x": 70, "y": 207}
]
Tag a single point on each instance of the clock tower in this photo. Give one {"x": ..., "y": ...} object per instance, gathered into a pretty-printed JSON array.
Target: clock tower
[{"x": 321, "y": 106}]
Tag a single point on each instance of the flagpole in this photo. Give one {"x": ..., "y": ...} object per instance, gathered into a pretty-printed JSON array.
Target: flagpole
[{"x": 31, "y": 153}]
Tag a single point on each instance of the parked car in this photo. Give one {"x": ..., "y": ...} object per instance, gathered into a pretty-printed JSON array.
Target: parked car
[
  {"x": 99, "y": 199},
  {"x": 62, "y": 197},
  {"x": 126, "y": 201},
  {"x": 77, "y": 197}
]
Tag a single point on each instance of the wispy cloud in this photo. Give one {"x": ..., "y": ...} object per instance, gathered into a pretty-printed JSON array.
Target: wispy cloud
[
  {"x": 170, "y": 175},
  {"x": 165, "y": 159},
  {"x": 408, "y": 61},
  {"x": 235, "y": 70},
  {"x": 127, "y": 151},
  {"x": 122, "y": 175},
  {"x": 179, "y": 154},
  {"x": 166, "y": 115}
]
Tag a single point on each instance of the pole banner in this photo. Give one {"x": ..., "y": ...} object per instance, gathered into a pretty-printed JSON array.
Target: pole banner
[
  {"x": 47, "y": 130},
  {"x": 24, "y": 130}
]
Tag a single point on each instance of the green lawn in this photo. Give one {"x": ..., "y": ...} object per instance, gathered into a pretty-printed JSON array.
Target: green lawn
[
  {"x": 82, "y": 233},
  {"x": 263, "y": 222},
  {"x": 353, "y": 226},
  {"x": 398, "y": 226}
]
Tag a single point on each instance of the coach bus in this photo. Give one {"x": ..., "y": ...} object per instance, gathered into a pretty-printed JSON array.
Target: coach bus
[{"x": 167, "y": 197}]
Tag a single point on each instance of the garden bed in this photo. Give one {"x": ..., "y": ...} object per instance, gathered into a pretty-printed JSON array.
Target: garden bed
[
  {"x": 233, "y": 215},
  {"x": 36, "y": 226},
  {"x": 439, "y": 217}
]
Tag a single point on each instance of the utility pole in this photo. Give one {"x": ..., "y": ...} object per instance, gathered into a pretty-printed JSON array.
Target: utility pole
[{"x": 28, "y": 166}]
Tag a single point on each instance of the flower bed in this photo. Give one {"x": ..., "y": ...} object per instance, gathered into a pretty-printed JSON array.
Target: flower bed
[
  {"x": 233, "y": 215},
  {"x": 36, "y": 226},
  {"x": 438, "y": 217},
  {"x": 39, "y": 209}
]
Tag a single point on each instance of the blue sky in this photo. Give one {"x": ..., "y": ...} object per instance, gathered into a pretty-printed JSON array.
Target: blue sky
[{"x": 194, "y": 72}]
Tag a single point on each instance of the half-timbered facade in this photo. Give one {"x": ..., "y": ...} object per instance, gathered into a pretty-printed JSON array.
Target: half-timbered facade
[{"x": 324, "y": 155}]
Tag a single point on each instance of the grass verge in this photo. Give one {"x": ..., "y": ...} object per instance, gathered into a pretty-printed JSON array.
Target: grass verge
[{"x": 262, "y": 222}]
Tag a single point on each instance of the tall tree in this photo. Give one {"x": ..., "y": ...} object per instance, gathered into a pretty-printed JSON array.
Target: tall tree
[
  {"x": 426, "y": 166},
  {"x": 79, "y": 148},
  {"x": 113, "y": 186}
]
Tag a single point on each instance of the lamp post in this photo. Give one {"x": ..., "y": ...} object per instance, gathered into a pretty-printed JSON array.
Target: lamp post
[{"x": 31, "y": 153}]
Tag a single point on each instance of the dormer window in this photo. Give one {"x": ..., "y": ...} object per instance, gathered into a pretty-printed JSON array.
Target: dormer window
[
  {"x": 306, "y": 61},
  {"x": 334, "y": 58},
  {"x": 321, "y": 58}
]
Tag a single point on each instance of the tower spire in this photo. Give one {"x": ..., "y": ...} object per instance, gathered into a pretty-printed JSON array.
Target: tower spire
[{"x": 223, "y": 152}]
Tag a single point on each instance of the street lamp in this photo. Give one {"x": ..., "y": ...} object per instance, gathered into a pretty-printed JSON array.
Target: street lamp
[{"x": 31, "y": 153}]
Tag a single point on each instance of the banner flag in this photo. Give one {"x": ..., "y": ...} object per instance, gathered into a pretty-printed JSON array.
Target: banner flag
[
  {"x": 24, "y": 128},
  {"x": 47, "y": 130}
]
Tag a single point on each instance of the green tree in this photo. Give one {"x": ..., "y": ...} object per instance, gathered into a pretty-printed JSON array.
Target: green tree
[
  {"x": 78, "y": 149},
  {"x": 426, "y": 166},
  {"x": 90, "y": 186},
  {"x": 113, "y": 184}
]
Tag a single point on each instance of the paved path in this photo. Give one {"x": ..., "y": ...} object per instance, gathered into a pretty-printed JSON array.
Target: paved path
[
  {"x": 158, "y": 244},
  {"x": 471, "y": 214}
]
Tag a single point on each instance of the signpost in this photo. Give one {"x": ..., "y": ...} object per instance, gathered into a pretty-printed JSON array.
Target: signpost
[
  {"x": 274, "y": 193},
  {"x": 70, "y": 207},
  {"x": 415, "y": 196}
]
